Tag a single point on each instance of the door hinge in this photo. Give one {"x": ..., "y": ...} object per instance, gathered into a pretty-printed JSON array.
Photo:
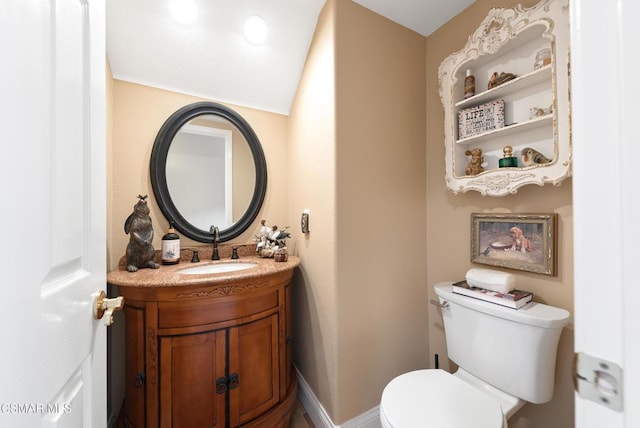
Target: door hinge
[{"x": 598, "y": 380}]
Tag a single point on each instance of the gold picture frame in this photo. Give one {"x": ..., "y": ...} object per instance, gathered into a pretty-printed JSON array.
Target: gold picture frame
[{"x": 525, "y": 242}]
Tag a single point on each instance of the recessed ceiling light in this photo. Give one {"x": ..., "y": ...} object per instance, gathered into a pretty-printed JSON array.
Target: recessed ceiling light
[
  {"x": 184, "y": 11},
  {"x": 255, "y": 30}
]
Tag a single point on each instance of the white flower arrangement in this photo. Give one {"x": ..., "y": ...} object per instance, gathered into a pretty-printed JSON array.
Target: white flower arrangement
[{"x": 271, "y": 240}]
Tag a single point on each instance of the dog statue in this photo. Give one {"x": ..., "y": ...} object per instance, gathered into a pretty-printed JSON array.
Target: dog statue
[{"x": 140, "y": 250}]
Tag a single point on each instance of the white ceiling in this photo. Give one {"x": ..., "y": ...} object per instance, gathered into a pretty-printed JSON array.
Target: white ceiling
[{"x": 211, "y": 58}]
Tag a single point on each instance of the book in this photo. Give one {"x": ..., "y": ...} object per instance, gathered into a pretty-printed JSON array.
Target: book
[{"x": 514, "y": 299}]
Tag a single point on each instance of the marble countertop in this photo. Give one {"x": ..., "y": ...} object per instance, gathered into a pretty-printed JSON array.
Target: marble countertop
[{"x": 170, "y": 276}]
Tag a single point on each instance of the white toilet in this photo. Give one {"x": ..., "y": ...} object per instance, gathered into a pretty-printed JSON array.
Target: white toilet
[{"x": 506, "y": 357}]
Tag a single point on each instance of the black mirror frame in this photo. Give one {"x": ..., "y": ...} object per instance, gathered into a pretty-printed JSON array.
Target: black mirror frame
[{"x": 159, "y": 177}]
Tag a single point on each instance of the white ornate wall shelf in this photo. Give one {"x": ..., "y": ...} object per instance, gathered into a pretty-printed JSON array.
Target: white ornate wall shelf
[{"x": 508, "y": 40}]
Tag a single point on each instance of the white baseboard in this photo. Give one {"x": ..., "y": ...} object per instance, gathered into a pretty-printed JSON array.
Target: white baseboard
[{"x": 319, "y": 416}]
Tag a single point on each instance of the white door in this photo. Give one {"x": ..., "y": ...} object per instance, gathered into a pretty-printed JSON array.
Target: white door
[
  {"x": 606, "y": 183},
  {"x": 52, "y": 252}
]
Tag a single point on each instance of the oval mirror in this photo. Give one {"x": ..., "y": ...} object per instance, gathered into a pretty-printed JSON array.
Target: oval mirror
[{"x": 208, "y": 169}]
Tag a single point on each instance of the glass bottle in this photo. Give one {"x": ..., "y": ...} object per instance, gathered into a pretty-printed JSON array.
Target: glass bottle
[
  {"x": 469, "y": 84},
  {"x": 170, "y": 247},
  {"x": 508, "y": 160}
]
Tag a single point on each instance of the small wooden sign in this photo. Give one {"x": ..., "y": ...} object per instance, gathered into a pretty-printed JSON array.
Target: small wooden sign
[{"x": 483, "y": 118}]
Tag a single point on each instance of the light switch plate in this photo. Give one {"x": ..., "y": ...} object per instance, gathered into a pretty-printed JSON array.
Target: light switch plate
[{"x": 304, "y": 221}]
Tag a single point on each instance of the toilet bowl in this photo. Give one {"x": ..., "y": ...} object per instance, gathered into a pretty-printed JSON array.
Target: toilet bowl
[{"x": 435, "y": 398}]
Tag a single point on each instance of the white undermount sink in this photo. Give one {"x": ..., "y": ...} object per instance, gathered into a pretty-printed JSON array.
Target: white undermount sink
[{"x": 216, "y": 268}]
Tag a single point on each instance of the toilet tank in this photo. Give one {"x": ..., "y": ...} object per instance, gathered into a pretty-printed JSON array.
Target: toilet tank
[{"x": 511, "y": 349}]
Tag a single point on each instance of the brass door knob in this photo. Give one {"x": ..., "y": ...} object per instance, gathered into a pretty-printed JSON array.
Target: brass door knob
[{"x": 102, "y": 306}]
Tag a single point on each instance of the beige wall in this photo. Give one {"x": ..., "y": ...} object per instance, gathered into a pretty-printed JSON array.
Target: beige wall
[
  {"x": 312, "y": 169},
  {"x": 361, "y": 297},
  {"x": 312, "y": 186},
  {"x": 138, "y": 112},
  {"x": 381, "y": 199},
  {"x": 448, "y": 227}
]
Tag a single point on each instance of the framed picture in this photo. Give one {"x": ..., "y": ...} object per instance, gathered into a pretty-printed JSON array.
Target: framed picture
[{"x": 515, "y": 241}]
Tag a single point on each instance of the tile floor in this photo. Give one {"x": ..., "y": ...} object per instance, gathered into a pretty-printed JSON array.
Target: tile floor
[{"x": 299, "y": 418}]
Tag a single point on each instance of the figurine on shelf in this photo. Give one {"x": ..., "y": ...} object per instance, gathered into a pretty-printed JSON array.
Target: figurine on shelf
[
  {"x": 475, "y": 164},
  {"x": 271, "y": 240},
  {"x": 535, "y": 112},
  {"x": 140, "y": 250},
  {"x": 498, "y": 79},
  {"x": 532, "y": 157}
]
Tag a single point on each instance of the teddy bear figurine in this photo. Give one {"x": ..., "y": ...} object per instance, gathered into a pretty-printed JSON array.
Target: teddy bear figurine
[{"x": 475, "y": 164}]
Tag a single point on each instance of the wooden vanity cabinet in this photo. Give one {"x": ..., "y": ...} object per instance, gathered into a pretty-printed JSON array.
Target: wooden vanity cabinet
[{"x": 215, "y": 355}]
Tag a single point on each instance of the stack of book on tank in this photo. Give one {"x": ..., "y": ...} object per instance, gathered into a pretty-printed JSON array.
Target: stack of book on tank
[{"x": 512, "y": 299}]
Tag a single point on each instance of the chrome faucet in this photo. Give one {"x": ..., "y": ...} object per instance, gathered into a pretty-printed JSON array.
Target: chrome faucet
[{"x": 216, "y": 237}]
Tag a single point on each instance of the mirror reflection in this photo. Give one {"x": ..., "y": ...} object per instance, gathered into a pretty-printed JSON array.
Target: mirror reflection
[
  {"x": 208, "y": 169},
  {"x": 210, "y": 156}
]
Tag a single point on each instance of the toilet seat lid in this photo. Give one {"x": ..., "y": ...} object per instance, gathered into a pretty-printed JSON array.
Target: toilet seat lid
[{"x": 436, "y": 398}]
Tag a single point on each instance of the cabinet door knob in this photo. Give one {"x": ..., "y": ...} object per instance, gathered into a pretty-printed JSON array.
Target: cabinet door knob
[
  {"x": 221, "y": 385},
  {"x": 138, "y": 382},
  {"x": 234, "y": 381}
]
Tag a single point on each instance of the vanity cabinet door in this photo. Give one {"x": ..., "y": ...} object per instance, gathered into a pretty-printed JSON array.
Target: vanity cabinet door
[
  {"x": 253, "y": 369},
  {"x": 191, "y": 367}
]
